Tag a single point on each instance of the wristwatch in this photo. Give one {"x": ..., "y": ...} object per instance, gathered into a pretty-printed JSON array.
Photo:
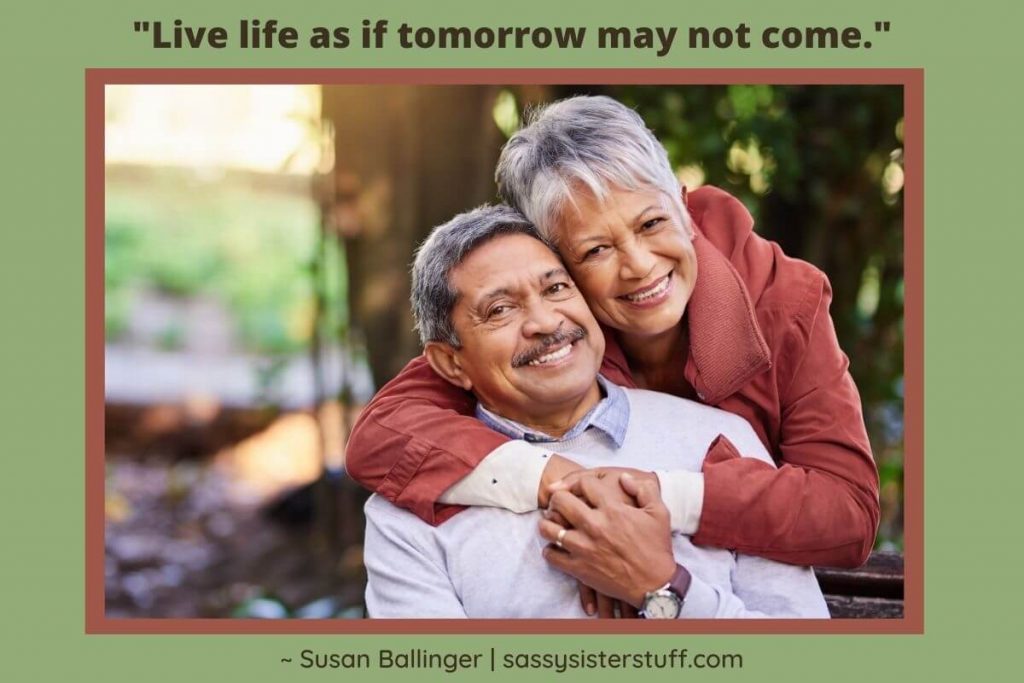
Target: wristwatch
[{"x": 667, "y": 602}]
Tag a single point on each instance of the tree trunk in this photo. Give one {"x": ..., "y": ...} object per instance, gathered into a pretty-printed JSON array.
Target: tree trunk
[{"x": 407, "y": 158}]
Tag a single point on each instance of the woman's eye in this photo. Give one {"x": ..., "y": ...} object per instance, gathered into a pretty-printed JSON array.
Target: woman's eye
[
  {"x": 594, "y": 252},
  {"x": 647, "y": 225},
  {"x": 558, "y": 287}
]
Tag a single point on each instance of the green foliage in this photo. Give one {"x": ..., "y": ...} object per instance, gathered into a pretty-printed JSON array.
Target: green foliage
[{"x": 250, "y": 249}]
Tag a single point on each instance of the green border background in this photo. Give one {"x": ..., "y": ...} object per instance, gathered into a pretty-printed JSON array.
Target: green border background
[{"x": 972, "y": 243}]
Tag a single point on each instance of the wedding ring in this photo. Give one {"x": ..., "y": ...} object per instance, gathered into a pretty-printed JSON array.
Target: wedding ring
[{"x": 560, "y": 538}]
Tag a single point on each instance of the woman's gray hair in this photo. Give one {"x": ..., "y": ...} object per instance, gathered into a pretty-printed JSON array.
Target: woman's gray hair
[
  {"x": 580, "y": 143},
  {"x": 433, "y": 298}
]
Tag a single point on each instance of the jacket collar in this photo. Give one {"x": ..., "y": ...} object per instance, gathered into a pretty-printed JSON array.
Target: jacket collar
[{"x": 726, "y": 344}]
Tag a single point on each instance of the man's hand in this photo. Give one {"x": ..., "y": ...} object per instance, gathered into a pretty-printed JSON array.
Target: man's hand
[
  {"x": 557, "y": 469},
  {"x": 620, "y": 550}
]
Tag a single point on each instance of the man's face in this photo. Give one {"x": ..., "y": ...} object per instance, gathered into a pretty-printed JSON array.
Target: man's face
[{"x": 530, "y": 345}]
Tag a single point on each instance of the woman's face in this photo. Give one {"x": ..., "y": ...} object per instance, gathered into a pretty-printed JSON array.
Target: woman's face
[{"x": 632, "y": 257}]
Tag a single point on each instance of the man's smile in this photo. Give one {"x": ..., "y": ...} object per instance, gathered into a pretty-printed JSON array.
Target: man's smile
[
  {"x": 554, "y": 356},
  {"x": 552, "y": 349}
]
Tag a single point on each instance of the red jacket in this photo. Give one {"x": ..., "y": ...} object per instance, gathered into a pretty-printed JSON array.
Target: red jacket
[{"x": 762, "y": 345}]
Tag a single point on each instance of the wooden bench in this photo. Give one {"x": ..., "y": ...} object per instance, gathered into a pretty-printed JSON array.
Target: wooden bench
[{"x": 872, "y": 591}]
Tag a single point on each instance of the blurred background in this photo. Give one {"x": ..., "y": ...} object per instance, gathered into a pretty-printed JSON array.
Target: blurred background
[{"x": 257, "y": 248}]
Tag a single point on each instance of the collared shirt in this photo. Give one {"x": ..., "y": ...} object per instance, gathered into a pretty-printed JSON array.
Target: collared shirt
[{"x": 610, "y": 415}]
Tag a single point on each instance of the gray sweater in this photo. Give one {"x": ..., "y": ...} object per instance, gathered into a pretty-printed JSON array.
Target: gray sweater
[{"x": 487, "y": 563}]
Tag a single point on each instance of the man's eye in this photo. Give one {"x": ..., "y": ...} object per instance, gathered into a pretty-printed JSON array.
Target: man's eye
[
  {"x": 498, "y": 311},
  {"x": 558, "y": 287},
  {"x": 594, "y": 251}
]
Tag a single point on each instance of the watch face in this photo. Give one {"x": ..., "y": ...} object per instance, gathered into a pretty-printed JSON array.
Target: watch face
[{"x": 662, "y": 606}]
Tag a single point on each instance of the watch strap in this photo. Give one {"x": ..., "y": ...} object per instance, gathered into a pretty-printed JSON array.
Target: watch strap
[{"x": 680, "y": 582}]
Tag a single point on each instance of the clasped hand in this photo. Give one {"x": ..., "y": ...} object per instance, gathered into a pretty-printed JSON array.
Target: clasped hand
[{"x": 609, "y": 529}]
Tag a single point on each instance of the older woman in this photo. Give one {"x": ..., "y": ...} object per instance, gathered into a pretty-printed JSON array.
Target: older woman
[{"x": 694, "y": 304}]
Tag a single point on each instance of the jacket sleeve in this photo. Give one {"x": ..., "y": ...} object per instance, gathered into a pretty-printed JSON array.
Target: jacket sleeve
[
  {"x": 418, "y": 437},
  {"x": 821, "y": 506}
]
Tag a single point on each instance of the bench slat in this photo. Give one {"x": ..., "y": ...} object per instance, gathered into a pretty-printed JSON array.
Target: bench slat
[{"x": 847, "y": 607}]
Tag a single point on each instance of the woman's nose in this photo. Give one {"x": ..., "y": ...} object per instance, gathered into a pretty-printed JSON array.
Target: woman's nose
[{"x": 635, "y": 262}]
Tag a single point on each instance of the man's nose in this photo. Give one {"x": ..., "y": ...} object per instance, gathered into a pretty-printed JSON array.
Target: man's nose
[
  {"x": 542, "y": 318},
  {"x": 635, "y": 261}
]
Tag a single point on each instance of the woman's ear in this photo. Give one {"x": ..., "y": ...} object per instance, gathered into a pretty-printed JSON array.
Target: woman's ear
[
  {"x": 444, "y": 359},
  {"x": 687, "y": 218}
]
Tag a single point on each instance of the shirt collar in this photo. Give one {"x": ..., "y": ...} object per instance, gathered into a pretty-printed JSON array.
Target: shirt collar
[{"x": 610, "y": 415}]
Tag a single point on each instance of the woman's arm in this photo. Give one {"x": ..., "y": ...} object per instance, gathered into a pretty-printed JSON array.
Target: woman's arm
[
  {"x": 821, "y": 506},
  {"x": 417, "y": 438}
]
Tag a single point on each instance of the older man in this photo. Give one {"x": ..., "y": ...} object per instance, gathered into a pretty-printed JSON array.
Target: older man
[{"x": 500, "y": 317}]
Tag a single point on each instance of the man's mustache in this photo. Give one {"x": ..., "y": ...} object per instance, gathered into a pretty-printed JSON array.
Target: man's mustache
[{"x": 556, "y": 338}]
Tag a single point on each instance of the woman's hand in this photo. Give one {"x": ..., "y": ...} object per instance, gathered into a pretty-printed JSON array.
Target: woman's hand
[
  {"x": 605, "y": 477},
  {"x": 557, "y": 470},
  {"x": 600, "y": 605}
]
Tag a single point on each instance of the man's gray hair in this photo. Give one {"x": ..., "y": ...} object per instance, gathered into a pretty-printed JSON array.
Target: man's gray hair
[
  {"x": 433, "y": 298},
  {"x": 580, "y": 143}
]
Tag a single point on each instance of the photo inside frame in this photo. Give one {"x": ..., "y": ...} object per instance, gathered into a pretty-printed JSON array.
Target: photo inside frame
[{"x": 257, "y": 242}]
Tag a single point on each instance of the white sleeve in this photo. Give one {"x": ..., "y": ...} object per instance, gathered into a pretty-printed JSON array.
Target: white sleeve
[
  {"x": 777, "y": 589},
  {"x": 507, "y": 478},
  {"x": 683, "y": 494},
  {"x": 404, "y": 580},
  {"x": 706, "y": 601},
  {"x": 760, "y": 589},
  {"x": 510, "y": 475}
]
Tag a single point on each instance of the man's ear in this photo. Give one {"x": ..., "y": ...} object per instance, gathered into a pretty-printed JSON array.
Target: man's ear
[{"x": 444, "y": 359}]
